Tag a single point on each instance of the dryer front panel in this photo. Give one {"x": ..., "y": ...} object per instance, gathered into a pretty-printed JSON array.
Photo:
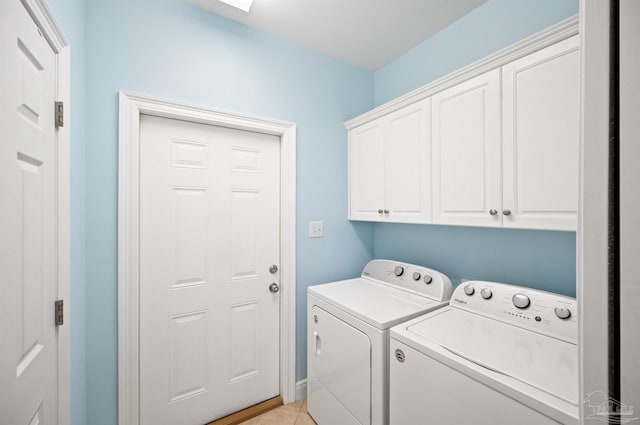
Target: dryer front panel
[{"x": 339, "y": 363}]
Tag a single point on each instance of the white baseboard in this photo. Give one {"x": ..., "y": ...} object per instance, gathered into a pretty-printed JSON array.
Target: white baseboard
[{"x": 301, "y": 389}]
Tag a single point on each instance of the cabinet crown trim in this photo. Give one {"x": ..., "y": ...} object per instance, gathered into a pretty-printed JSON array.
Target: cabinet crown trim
[{"x": 551, "y": 35}]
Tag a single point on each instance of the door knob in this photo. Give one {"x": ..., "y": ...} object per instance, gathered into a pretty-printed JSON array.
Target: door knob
[
  {"x": 274, "y": 287},
  {"x": 273, "y": 269}
]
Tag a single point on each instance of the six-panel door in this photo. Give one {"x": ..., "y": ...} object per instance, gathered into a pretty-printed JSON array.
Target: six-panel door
[
  {"x": 209, "y": 232},
  {"x": 28, "y": 241}
]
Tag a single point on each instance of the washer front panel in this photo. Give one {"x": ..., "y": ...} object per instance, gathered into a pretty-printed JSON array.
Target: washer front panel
[{"x": 425, "y": 391}]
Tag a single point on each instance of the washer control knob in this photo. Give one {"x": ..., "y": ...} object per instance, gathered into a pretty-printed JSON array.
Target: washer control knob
[
  {"x": 416, "y": 276},
  {"x": 486, "y": 293},
  {"x": 563, "y": 313},
  {"x": 398, "y": 270},
  {"x": 521, "y": 301},
  {"x": 427, "y": 279},
  {"x": 469, "y": 290}
]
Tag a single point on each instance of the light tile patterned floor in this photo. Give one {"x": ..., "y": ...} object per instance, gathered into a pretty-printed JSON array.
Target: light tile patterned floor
[{"x": 289, "y": 414}]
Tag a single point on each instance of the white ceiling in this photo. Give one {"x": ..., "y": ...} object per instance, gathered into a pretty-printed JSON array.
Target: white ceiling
[{"x": 365, "y": 33}]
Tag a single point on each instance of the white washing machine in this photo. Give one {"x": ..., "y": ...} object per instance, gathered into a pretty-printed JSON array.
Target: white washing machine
[
  {"x": 498, "y": 354},
  {"x": 348, "y": 338}
]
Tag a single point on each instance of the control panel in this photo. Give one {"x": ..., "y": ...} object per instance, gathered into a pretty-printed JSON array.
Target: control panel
[
  {"x": 418, "y": 279},
  {"x": 540, "y": 311}
]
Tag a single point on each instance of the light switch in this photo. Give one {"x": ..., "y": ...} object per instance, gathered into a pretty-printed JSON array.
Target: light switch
[{"x": 316, "y": 229}]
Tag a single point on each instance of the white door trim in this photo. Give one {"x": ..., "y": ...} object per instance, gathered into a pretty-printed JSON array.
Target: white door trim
[
  {"x": 131, "y": 107},
  {"x": 45, "y": 20},
  {"x": 592, "y": 235}
]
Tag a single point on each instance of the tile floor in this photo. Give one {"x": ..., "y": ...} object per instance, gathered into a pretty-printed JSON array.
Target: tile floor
[{"x": 289, "y": 414}]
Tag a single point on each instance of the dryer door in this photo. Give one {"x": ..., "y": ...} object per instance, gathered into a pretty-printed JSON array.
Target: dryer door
[{"x": 339, "y": 362}]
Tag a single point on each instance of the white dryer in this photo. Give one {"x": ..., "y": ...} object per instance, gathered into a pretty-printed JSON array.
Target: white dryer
[
  {"x": 348, "y": 338},
  {"x": 497, "y": 355}
]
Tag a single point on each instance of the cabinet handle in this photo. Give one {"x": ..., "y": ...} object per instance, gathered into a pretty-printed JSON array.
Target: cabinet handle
[
  {"x": 386, "y": 211},
  {"x": 379, "y": 211},
  {"x": 506, "y": 212},
  {"x": 493, "y": 212}
]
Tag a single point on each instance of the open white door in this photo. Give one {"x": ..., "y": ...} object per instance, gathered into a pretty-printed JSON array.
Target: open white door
[
  {"x": 209, "y": 300},
  {"x": 28, "y": 220}
]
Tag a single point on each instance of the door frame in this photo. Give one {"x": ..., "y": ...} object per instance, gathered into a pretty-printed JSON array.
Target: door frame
[
  {"x": 46, "y": 22},
  {"x": 592, "y": 239},
  {"x": 131, "y": 106}
]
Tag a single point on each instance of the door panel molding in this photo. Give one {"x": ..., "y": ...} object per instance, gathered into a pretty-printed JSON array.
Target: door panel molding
[{"x": 130, "y": 108}]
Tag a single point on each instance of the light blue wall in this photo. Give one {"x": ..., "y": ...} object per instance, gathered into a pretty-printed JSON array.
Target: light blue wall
[
  {"x": 70, "y": 15},
  {"x": 544, "y": 260},
  {"x": 170, "y": 49},
  {"x": 489, "y": 28}
]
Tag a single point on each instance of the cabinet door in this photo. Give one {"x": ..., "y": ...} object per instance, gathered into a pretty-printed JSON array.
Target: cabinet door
[
  {"x": 407, "y": 155},
  {"x": 466, "y": 152},
  {"x": 366, "y": 172},
  {"x": 541, "y": 110}
]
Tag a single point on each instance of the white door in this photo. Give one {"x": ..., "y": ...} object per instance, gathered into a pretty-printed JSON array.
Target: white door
[
  {"x": 28, "y": 353},
  {"x": 541, "y": 127},
  {"x": 366, "y": 172},
  {"x": 407, "y": 148},
  {"x": 209, "y": 232},
  {"x": 466, "y": 152}
]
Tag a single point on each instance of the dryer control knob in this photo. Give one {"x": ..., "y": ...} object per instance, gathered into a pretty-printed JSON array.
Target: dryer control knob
[
  {"x": 416, "y": 276},
  {"x": 521, "y": 301},
  {"x": 563, "y": 313},
  {"x": 469, "y": 290},
  {"x": 398, "y": 270},
  {"x": 486, "y": 293},
  {"x": 427, "y": 279}
]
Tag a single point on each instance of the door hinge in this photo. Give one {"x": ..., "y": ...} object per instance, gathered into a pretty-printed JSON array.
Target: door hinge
[
  {"x": 59, "y": 114},
  {"x": 59, "y": 312}
]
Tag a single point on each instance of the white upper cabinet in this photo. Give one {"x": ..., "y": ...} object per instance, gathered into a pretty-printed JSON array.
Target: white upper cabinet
[
  {"x": 540, "y": 137},
  {"x": 499, "y": 149},
  {"x": 466, "y": 152},
  {"x": 366, "y": 171},
  {"x": 389, "y": 167}
]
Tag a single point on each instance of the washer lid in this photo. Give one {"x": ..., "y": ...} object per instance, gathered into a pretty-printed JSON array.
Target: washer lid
[
  {"x": 377, "y": 304},
  {"x": 546, "y": 363}
]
